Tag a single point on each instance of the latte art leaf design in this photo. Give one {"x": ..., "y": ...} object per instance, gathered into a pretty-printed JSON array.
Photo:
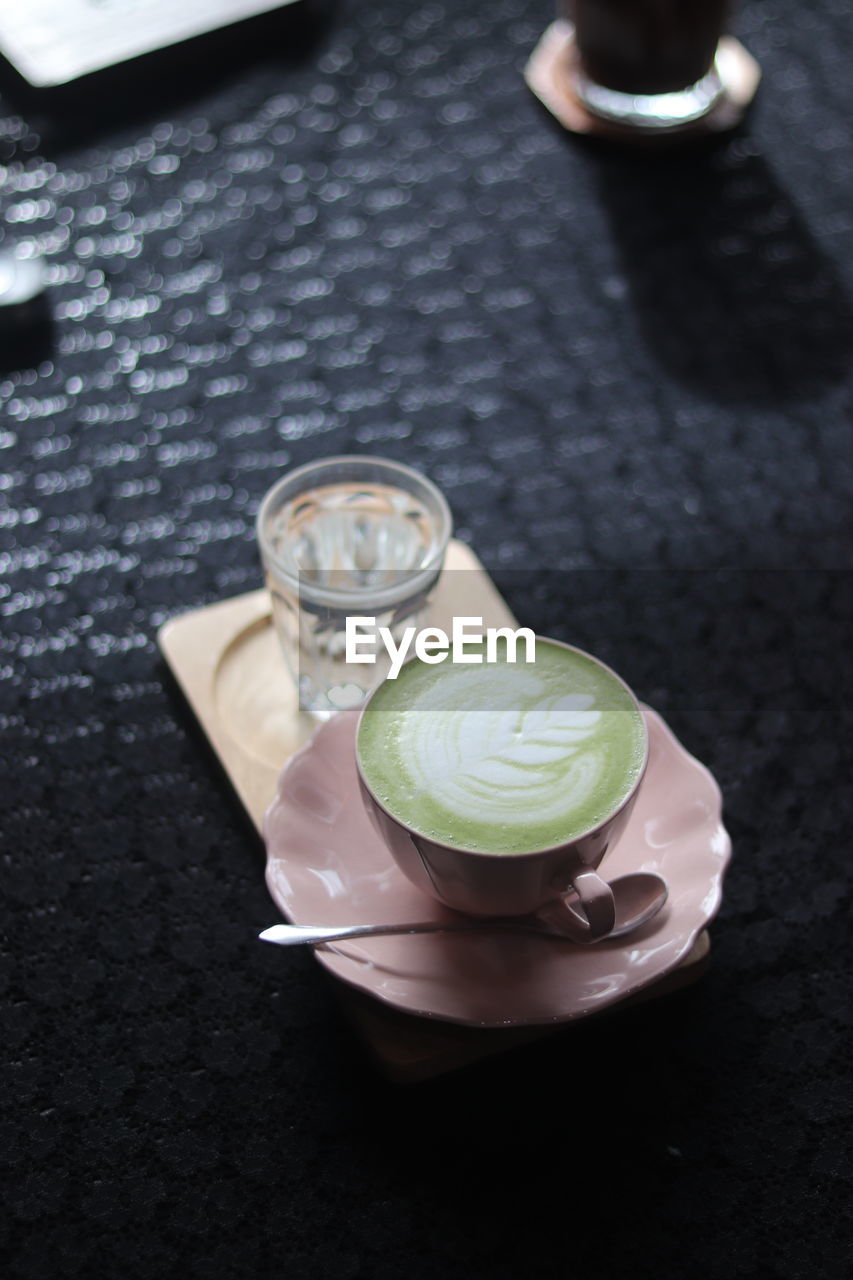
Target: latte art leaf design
[
  {"x": 502, "y": 766},
  {"x": 503, "y": 757}
]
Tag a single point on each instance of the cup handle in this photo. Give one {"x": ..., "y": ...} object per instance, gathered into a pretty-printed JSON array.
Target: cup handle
[{"x": 595, "y": 911}]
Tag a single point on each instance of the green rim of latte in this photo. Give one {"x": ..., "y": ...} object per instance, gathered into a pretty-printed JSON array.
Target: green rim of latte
[{"x": 503, "y": 757}]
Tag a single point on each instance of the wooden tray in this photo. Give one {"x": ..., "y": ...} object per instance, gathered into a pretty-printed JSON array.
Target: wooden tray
[{"x": 227, "y": 661}]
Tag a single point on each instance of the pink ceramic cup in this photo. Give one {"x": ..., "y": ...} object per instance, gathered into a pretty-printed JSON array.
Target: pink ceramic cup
[{"x": 509, "y": 884}]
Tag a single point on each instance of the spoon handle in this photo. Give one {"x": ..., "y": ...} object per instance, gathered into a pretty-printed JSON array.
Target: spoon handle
[
  {"x": 639, "y": 897},
  {"x": 295, "y": 935}
]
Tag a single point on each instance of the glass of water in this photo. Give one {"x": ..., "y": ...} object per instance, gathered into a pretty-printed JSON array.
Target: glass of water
[{"x": 348, "y": 537}]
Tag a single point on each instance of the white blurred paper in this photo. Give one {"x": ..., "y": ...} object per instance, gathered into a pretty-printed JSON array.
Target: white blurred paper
[{"x": 54, "y": 41}]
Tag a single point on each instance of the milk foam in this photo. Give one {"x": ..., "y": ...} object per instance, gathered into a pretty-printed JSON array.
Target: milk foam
[{"x": 503, "y": 757}]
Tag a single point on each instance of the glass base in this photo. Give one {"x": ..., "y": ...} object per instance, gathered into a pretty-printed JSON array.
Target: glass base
[
  {"x": 323, "y": 702},
  {"x": 652, "y": 110}
]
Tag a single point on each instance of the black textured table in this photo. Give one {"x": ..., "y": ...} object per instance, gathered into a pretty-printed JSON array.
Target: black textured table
[{"x": 631, "y": 375}]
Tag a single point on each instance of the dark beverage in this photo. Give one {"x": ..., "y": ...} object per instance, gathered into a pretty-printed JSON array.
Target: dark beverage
[{"x": 647, "y": 46}]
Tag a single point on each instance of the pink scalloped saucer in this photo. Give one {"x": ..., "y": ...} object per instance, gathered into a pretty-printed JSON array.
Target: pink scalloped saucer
[{"x": 326, "y": 865}]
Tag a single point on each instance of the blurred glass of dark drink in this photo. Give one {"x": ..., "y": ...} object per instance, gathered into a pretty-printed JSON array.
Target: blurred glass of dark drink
[{"x": 647, "y": 46}]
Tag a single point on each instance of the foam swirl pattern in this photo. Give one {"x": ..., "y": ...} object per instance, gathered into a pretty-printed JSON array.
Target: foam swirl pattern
[{"x": 503, "y": 758}]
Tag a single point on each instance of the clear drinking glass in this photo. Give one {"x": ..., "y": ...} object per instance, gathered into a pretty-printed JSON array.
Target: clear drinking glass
[
  {"x": 648, "y": 63},
  {"x": 348, "y": 536}
]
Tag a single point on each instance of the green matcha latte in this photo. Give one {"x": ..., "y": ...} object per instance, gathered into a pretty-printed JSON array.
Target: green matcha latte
[{"x": 503, "y": 757}]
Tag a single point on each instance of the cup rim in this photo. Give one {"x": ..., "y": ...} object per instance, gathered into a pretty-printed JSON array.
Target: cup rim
[
  {"x": 529, "y": 853},
  {"x": 419, "y": 578}
]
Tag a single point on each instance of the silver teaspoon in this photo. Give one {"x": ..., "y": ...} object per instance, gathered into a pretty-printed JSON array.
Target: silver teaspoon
[{"x": 638, "y": 898}]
